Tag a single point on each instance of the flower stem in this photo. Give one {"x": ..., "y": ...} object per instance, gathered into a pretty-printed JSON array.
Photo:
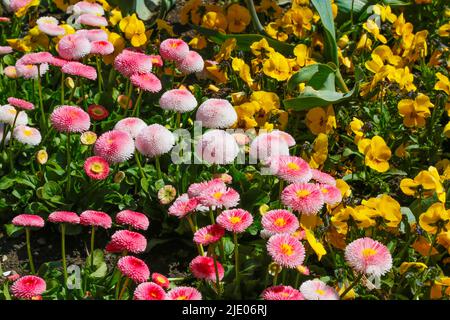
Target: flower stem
[
  {"x": 236, "y": 260},
  {"x": 92, "y": 245},
  {"x": 177, "y": 125},
  {"x": 354, "y": 283},
  {"x": 41, "y": 104},
  {"x": 62, "y": 87},
  {"x": 99, "y": 74},
  {"x": 201, "y": 251},
  {"x": 63, "y": 252},
  {"x": 30, "y": 257},
  {"x": 158, "y": 167},
  {"x": 69, "y": 160},
  {"x": 216, "y": 270},
  {"x": 125, "y": 285},
  {"x": 255, "y": 20},
  {"x": 137, "y": 105}
]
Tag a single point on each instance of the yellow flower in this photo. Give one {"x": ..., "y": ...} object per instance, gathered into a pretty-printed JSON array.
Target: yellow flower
[
  {"x": 436, "y": 289},
  {"x": 303, "y": 55},
  {"x": 405, "y": 79},
  {"x": 444, "y": 167},
  {"x": 267, "y": 100},
  {"x": 226, "y": 49},
  {"x": 23, "y": 11},
  {"x": 261, "y": 48},
  {"x": 387, "y": 208},
  {"x": 447, "y": 130},
  {"x": 243, "y": 69},
  {"x": 119, "y": 44},
  {"x": 115, "y": 16},
  {"x": 364, "y": 43},
  {"x": 42, "y": 156},
  {"x": 356, "y": 126},
  {"x": 405, "y": 266},
  {"x": 320, "y": 151},
  {"x": 216, "y": 72},
  {"x": 401, "y": 151},
  {"x": 444, "y": 30},
  {"x": 422, "y": 246},
  {"x": 163, "y": 25},
  {"x": 320, "y": 121},
  {"x": 318, "y": 248},
  {"x": 276, "y": 66},
  {"x": 414, "y": 112},
  {"x": 215, "y": 20},
  {"x": 238, "y": 18},
  {"x": 344, "y": 188},
  {"x": 343, "y": 41},
  {"x": 134, "y": 30},
  {"x": 190, "y": 12},
  {"x": 377, "y": 153},
  {"x": 64, "y": 4},
  {"x": 246, "y": 112},
  {"x": 444, "y": 239},
  {"x": 384, "y": 12},
  {"x": 436, "y": 213},
  {"x": 298, "y": 20},
  {"x": 198, "y": 42},
  {"x": 276, "y": 30},
  {"x": 372, "y": 28},
  {"x": 269, "y": 7},
  {"x": 431, "y": 181},
  {"x": 443, "y": 83}
]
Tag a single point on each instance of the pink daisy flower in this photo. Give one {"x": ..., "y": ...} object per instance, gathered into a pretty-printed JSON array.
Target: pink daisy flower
[
  {"x": 173, "y": 49},
  {"x": 322, "y": 177},
  {"x": 93, "y": 34},
  {"x": 286, "y": 250},
  {"x": 280, "y": 221},
  {"x": 219, "y": 195},
  {"x": 27, "y": 135},
  {"x": 35, "y": 58},
  {"x": 57, "y": 62},
  {"x": 8, "y": 114},
  {"x": 98, "y": 112},
  {"x": 160, "y": 280},
  {"x": 156, "y": 60},
  {"x": 184, "y": 293},
  {"x": 86, "y": 7},
  {"x": 96, "y": 219},
  {"x": 149, "y": 291},
  {"x": 130, "y": 62},
  {"x": 305, "y": 198},
  {"x": 92, "y": 20},
  {"x": 196, "y": 189},
  {"x": 368, "y": 256},
  {"x": 133, "y": 268},
  {"x": 28, "y": 220},
  {"x": 209, "y": 234},
  {"x": 31, "y": 71},
  {"x": 49, "y": 26},
  {"x": 286, "y": 137},
  {"x": 102, "y": 47},
  {"x": 10, "y": 72},
  {"x": 282, "y": 293},
  {"x": 146, "y": 81},
  {"x": 125, "y": 240},
  {"x": 70, "y": 119},
  {"x": 155, "y": 140},
  {"x": 191, "y": 63},
  {"x": 216, "y": 113},
  {"x": 131, "y": 125},
  {"x": 235, "y": 220},
  {"x": 136, "y": 220},
  {"x": 267, "y": 146},
  {"x": 81, "y": 70},
  {"x": 5, "y": 50},
  {"x": 73, "y": 47},
  {"x": 21, "y": 104},
  {"x": 217, "y": 147},
  {"x": 291, "y": 169},
  {"x": 114, "y": 146},
  {"x": 182, "y": 206},
  {"x": 96, "y": 168},
  {"x": 5, "y": 19},
  {"x": 202, "y": 267},
  {"x": 179, "y": 100},
  {"x": 318, "y": 290},
  {"x": 331, "y": 194},
  {"x": 64, "y": 217},
  {"x": 28, "y": 287}
]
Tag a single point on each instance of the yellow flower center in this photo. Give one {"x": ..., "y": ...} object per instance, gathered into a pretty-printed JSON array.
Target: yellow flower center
[
  {"x": 12, "y": 111},
  {"x": 27, "y": 132},
  {"x": 161, "y": 279},
  {"x": 324, "y": 190},
  {"x": 287, "y": 249},
  {"x": 182, "y": 298},
  {"x": 218, "y": 195},
  {"x": 320, "y": 291},
  {"x": 280, "y": 222},
  {"x": 303, "y": 193},
  {"x": 174, "y": 45},
  {"x": 368, "y": 252},
  {"x": 97, "y": 168},
  {"x": 235, "y": 220},
  {"x": 293, "y": 166}
]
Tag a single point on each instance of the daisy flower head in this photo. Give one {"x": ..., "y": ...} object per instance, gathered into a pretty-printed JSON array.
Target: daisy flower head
[
  {"x": 155, "y": 140},
  {"x": 280, "y": 221},
  {"x": 49, "y": 26},
  {"x": 267, "y": 146},
  {"x": 290, "y": 168},
  {"x": 129, "y": 62},
  {"x": 322, "y": 177},
  {"x": 57, "y": 62},
  {"x": 216, "y": 114},
  {"x": 70, "y": 119},
  {"x": 88, "y": 138},
  {"x": 102, "y": 47},
  {"x": 98, "y": 112},
  {"x": 179, "y": 100},
  {"x": 27, "y": 135},
  {"x": 196, "y": 189},
  {"x": 209, "y": 234},
  {"x": 31, "y": 71},
  {"x": 147, "y": 82},
  {"x": 218, "y": 195},
  {"x": 368, "y": 256},
  {"x": 92, "y": 20},
  {"x": 202, "y": 267},
  {"x": 282, "y": 293},
  {"x": 10, "y": 72},
  {"x": 64, "y": 217},
  {"x": 95, "y": 219},
  {"x": 182, "y": 206},
  {"x": 331, "y": 194},
  {"x": 191, "y": 63},
  {"x": 28, "y": 220},
  {"x": 157, "y": 61},
  {"x": 217, "y": 147},
  {"x": 160, "y": 280},
  {"x": 80, "y": 69},
  {"x": 73, "y": 47},
  {"x": 136, "y": 220},
  {"x": 28, "y": 287},
  {"x": 167, "y": 194},
  {"x": 125, "y": 240},
  {"x": 114, "y": 146},
  {"x": 21, "y": 104},
  {"x": 284, "y": 136},
  {"x": 131, "y": 125},
  {"x": 318, "y": 290},
  {"x": 133, "y": 268},
  {"x": 235, "y": 220},
  {"x": 306, "y": 198},
  {"x": 35, "y": 58},
  {"x": 83, "y": 7},
  {"x": 149, "y": 291},
  {"x": 93, "y": 34},
  {"x": 8, "y": 114},
  {"x": 184, "y": 293},
  {"x": 286, "y": 250},
  {"x": 5, "y": 50},
  {"x": 173, "y": 49}
]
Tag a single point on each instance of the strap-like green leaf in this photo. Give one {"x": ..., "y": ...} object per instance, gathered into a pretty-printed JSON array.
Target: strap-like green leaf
[
  {"x": 315, "y": 75},
  {"x": 323, "y": 7}
]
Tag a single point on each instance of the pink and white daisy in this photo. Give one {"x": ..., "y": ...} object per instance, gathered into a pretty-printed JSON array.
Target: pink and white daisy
[
  {"x": 70, "y": 119},
  {"x": 173, "y": 49},
  {"x": 286, "y": 137},
  {"x": 160, "y": 280},
  {"x": 96, "y": 219},
  {"x": 235, "y": 220},
  {"x": 156, "y": 60},
  {"x": 136, "y": 220},
  {"x": 27, "y": 135},
  {"x": 267, "y": 146},
  {"x": 8, "y": 114},
  {"x": 368, "y": 256},
  {"x": 331, "y": 194},
  {"x": 282, "y": 293},
  {"x": 21, "y": 104},
  {"x": 49, "y": 25},
  {"x": 31, "y": 71},
  {"x": 83, "y": 7},
  {"x": 290, "y": 168},
  {"x": 73, "y": 47},
  {"x": 10, "y": 72},
  {"x": 218, "y": 195},
  {"x": 96, "y": 168},
  {"x": 216, "y": 113},
  {"x": 280, "y": 221},
  {"x": 155, "y": 140},
  {"x": 182, "y": 206},
  {"x": 147, "y": 82},
  {"x": 217, "y": 147},
  {"x": 133, "y": 268},
  {"x": 57, "y": 62},
  {"x": 91, "y": 20},
  {"x": 5, "y": 50},
  {"x": 286, "y": 250},
  {"x": 318, "y": 290},
  {"x": 80, "y": 69},
  {"x": 102, "y": 47},
  {"x": 184, "y": 293},
  {"x": 196, "y": 189},
  {"x": 306, "y": 198},
  {"x": 191, "y": 63},
  {"x": 202, "y": 267},
  {"x": 28, "y": 220},
  {"x": 149, "y": 291},
  {"x": 114, "y": 146},
  {"x": 179, "y": 100},
  {"x": 322, "y": 177},
  {"x": 125, "y": 240},
  {"x": 28, "y": 287},
  {"x": 64, "y": 217},
  {"x": 35, "y": 58},
  {"x": 93, "y": 34},
  {"x": 130, "y": 62},
  {"x": 209, "y": 234},
  {"x": 131, "y": 125}
]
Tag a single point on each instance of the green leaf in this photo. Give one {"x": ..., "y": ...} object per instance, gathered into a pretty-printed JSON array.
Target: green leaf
[
  {"x": 12, "y": 230},
  {"x": 50, "y": 190},
  {"x": 315, "y": 75},
  {"x": 99, "y": 259},
  {"x": 126, "y": 7},
  {"x": 100, "y": 272},
  {"x": 326, "y": 17}
]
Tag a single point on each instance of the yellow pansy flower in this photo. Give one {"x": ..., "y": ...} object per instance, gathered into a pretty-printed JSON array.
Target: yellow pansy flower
[
  {"x": 320, "y": 151},
  {"x": 134, "y": 30},
  {"x": 216, "y": 72},
  {"x": 23, "y": 11},
  {"x": 238, "y": 18},
  {"x": 436, "y": 289},
  {"x": 377, "y": 153},
  {"x": 444, "y": 239},
  {"x": 261, "y": 48},
  {"x": 385, "y": 13},
  {"x": 267, "y": 100},
  {"x": 215, "y": 20},
  {"x": 303, "y": 55},
  {"x": 163, "y": 25},
  {"x": 372, "y": 28},
  {"x": 344, "y": 188},
  {"x": 226, "y": 49},
  {"x": 414, "y": 112},
  {"x": 422, "y": 246},
  {"x": 298, "y": 20},
  {"x": 444, "y": 30},
  {"x": 387, "y": 208},
  {"x": 115, "y": 16},
  {"x": 276, "y": 30},
  {"x": 442, "y": 84},
  {"x": 198, "y": 42},
  {"x": 364, "y": 43},
  {"x": 446, "y": 130},
  {"x": 190, "y": 12},
  {"x": 276, "y": 66},
  {"x": 318, "y": 248},
  {"x": 319, "y": 120},
  {"x": 243, "y": 70},
  {"x": 356, "y": 126},
  {"x": 405, "y": 266},
  {"x": 269, "y": 7},
  {"x": 434, "y": 214}
]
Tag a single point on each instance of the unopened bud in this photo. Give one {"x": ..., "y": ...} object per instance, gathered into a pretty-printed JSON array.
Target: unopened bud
[{"x": 42, "y": 156}]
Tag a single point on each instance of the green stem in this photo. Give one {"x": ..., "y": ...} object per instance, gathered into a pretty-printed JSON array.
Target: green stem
[
  {"x": 158, "y": 167},
  {"x": 63, "y": 252},
  {"x": 125, "y": 285},
  {"x": 137, "y": 105},
  {"x": 216, "y": 270},
  {"x": 275, "y": 277},
  {"x": 236, "y": 260},
  {"x": 92, "y": 245},
  {"x": 354, "y": 283},
  {"x": 41, "y": 104},
  {"x": 177, "y": 124},
  {"x": 30, "y": 257},
  {"x": 255, "y": 20},
  {"x": 433, "y": 243},
  {"x": 341, "y": 81},
  {"x": 99, "y": 74},
  {"x": 69, "y": 160},
  {"x": 200, "y": 249},
  {"x": 141, "y": 170},
  {"x": 62, "y": 87}
]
